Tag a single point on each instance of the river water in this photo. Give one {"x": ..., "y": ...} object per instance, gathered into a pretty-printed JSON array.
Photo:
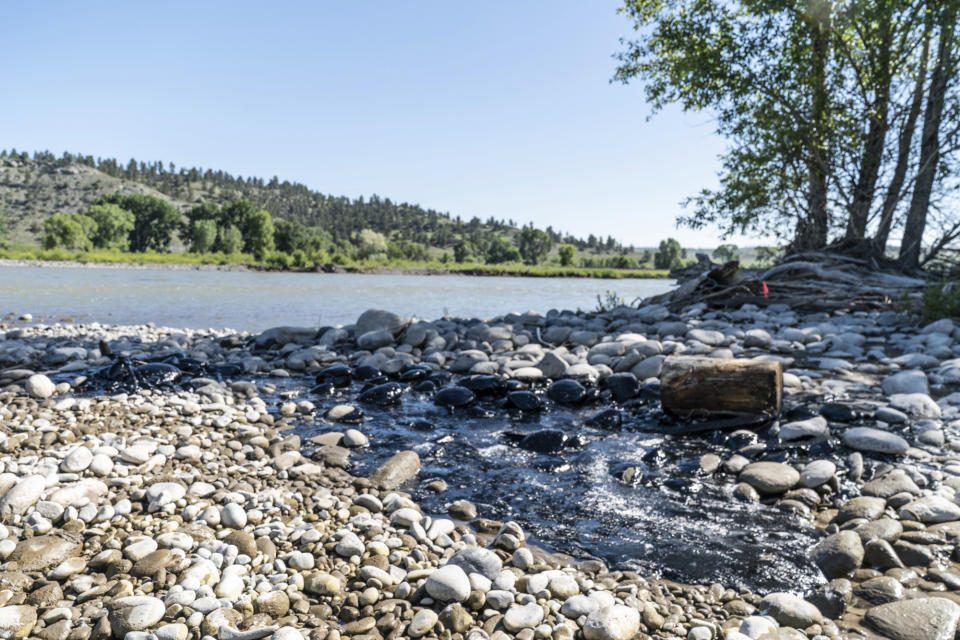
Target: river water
[{"x": 254, "y": 301}]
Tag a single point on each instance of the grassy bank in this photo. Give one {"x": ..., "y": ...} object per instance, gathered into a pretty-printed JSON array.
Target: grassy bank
[{"x": 284, "y": 262}]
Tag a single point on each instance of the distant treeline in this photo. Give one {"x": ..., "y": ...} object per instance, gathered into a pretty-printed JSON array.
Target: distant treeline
[{"x": 340, "y": 217}]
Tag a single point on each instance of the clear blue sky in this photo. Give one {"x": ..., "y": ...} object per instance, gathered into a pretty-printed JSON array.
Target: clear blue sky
[{"x": 500, "y": 108}]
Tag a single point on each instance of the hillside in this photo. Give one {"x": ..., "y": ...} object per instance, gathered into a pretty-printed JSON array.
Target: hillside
[
  {"x": 31, "y": 191},
  {"x": 35, "y": 187}
]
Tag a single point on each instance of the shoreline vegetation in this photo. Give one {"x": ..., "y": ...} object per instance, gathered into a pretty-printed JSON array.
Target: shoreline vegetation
[{"x": 27, "y": 256}]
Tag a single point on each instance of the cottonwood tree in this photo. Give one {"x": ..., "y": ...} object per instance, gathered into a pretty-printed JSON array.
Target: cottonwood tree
[
  {"x": 113, "y": 226},
  {"x": 668, "y": 255},
  {"x": 834, "y": 112},
  {"x": 533, "y": 244},
  {"x": 154, "y": 220}
]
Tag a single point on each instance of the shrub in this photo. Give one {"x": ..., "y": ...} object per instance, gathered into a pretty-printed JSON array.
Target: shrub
[{"x": 941, "y": 300}]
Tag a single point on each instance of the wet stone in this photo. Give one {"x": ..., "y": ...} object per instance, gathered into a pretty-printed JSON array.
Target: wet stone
[
  {"x": 454, "y": 396},
  {"x": 770, "y": 477},
  {"x": 874, "y": 440},
  {"x": 877, "y": 591},
  {"x": 566, "y": 391}
]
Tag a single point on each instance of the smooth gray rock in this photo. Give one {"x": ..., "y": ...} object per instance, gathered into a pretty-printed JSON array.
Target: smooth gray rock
[
  {"x": 422, "y": 623},
  {"x": 880, "y": 590},
  {"x": 377, "y": 320},
  {"x": 579, "y": 605},
  {"x": 919, "y": 405},
  {"x": 861, "y": 507},
  {"x": 890, "y": 484},
  {"x": 711, "y": 338},
  {"x": 552, "y": 365},
  {"x": 874, "y": 440},
  {"x": 135, "y": 613},
  {"x": 770, "y": 478},
  {"x": 648, "y": 367},
  {"x": 918, "y": 619},
  {"x": 838, "y": 555},
  {"x": 372, "y": 340},
  {"x": 478, "y": 560},
  {"x": 790, "y": 610},
  {"x": 931, "y": 510},
  {"x": 350, "y": 545},
  {"x": 891, "y": 415},
  {"x": 756, "y": 338},
  {"x": 906, "y": 382},
  {"x": 234, "y": 516},
  {"x": 815, "y": 427},
  {"x": 286, "y": 335},
  {"x": 817, "y": 473}
]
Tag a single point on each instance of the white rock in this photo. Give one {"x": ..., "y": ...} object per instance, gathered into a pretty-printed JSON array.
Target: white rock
[
  {"x": 759, "y": 628},
  {"x": 234, "y": 516},
  {"x": 931, "y": 510},
  {"x": 815, "y": 427},
  {"x": 422, "y": 623},
  {"x": 527, "y": 616},
  {"x": 101, "y": 464},
  {"x": 162, "y": 493},
  {"x": 449, "y": 583},
  {"x": 612, "y": 623},
  {"x": 22, "y": 495},
  {"x": 919, "y": 405},
  {"x": 135, "y": 613},
  {"x": 817, "y": 473},
  {"x": 40, "y": 386},
  {"x": 77, "y": 460}
]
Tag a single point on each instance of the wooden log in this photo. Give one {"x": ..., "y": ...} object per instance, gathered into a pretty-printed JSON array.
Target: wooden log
[{"x": 710, "y": 387}]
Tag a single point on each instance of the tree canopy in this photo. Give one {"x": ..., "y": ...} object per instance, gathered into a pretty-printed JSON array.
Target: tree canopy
[
  {"x": 841, "y": 117},
  {"x": 154, "y": 220}
]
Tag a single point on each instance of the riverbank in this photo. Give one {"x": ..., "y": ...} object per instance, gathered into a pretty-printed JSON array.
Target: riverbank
[
  {"x": 243, "y": 262},
  {"x": 205, "y": 508}
]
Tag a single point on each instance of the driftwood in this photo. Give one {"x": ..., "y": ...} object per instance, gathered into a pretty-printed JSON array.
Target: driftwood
[
  {"x": 705, "y": 387},
  {"x": 816, "y": 281}
]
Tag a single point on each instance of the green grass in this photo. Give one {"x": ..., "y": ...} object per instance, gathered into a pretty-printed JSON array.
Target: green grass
[{"x": 511, "y": 269}]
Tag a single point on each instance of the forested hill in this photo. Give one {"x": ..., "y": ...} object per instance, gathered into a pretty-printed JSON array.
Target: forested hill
[{"x": 34, "y": 187}]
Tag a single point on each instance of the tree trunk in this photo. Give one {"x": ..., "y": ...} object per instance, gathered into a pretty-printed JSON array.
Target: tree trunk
[
  {"x": 702, "y": 387},
  {"x": 875, "y": 141},
  {"x": 929, "y": 145},
  {"x": 903, "y": 152},
  {"x": 812, "y": 230}
]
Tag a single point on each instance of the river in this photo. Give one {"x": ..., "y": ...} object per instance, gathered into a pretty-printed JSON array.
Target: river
[{"x": 253, "y": 301}]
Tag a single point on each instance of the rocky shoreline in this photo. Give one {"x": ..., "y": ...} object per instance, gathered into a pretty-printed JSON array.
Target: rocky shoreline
[{"x": 193, "y": 509}]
